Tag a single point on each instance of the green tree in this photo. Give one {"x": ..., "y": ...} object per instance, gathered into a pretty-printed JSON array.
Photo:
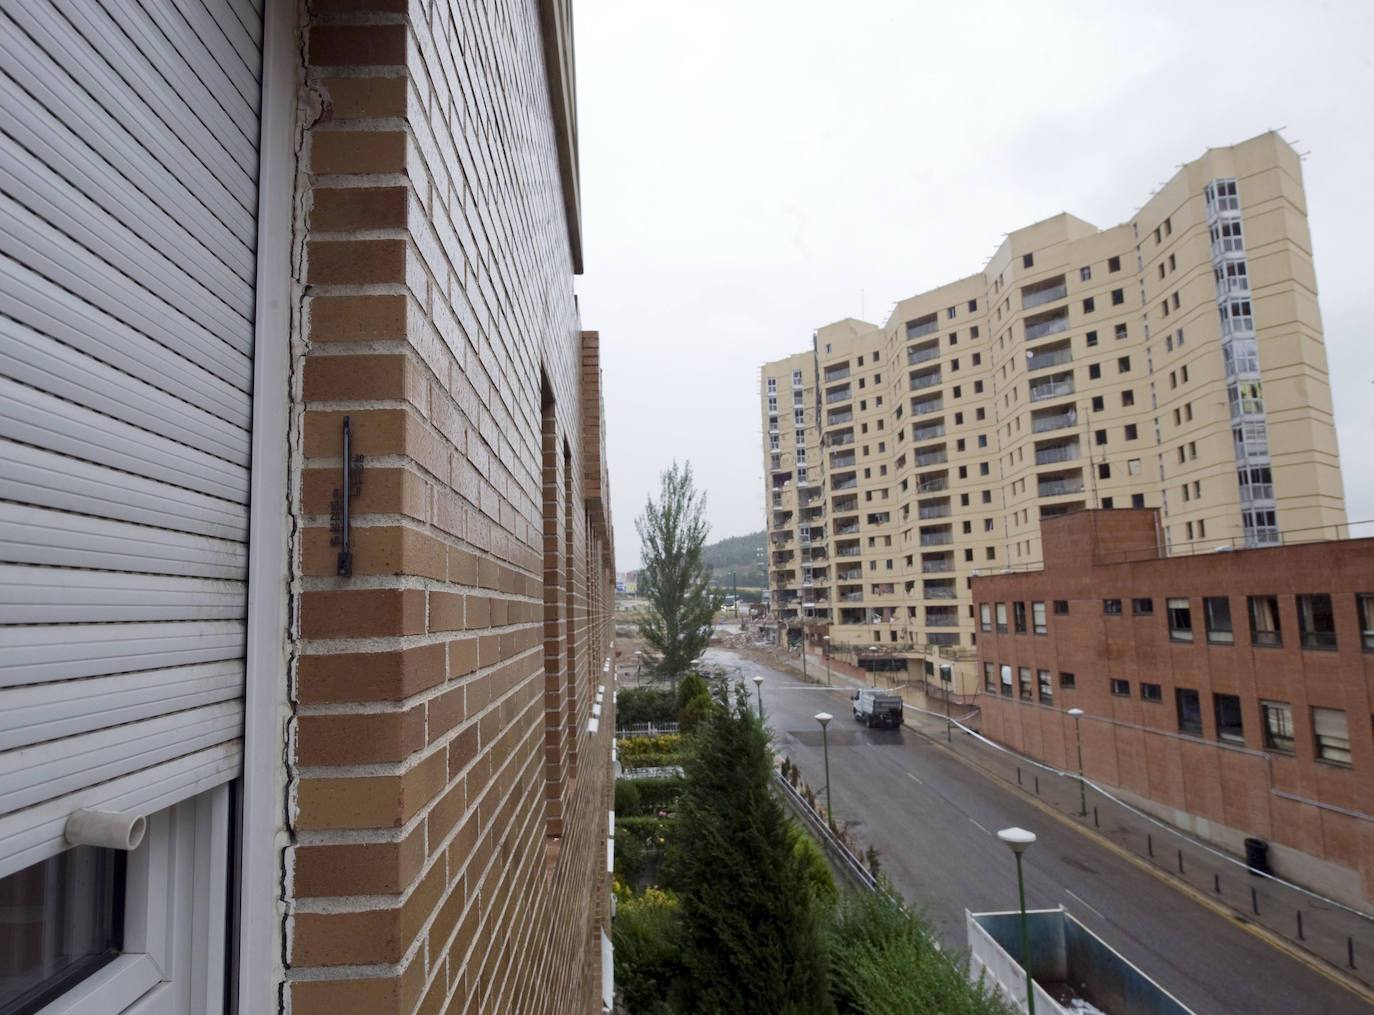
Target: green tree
[
  {"x": 750, "y": 901},
  {"x": 682, "y": 605}
]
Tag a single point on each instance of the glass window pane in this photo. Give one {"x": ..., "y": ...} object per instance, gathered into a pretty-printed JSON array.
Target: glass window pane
[
  {"x": 1218, "y": 613},
  {"x": 1264, "y": 621},
  {"x": 1332, "y": 735},
  {"x": 60, "y": 921},
  {"x": 1316, "y": 622},
  {"x": 1278, "y": 726}
]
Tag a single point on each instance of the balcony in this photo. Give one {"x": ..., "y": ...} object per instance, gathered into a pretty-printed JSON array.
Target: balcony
[
  {"x": 933, "y": 483},
  {"x": 1055, "y": 510},
  {"x": 934, "y": 564},
  {"x": 846, "y": 482},
  {"x": 772, "y": 424},
  {"x": 843, "y": 504},
  {"x": 839, "y": 395},
  {"x": 1049, "y": 356},
  {"x": 837, "y": 373},
  {"x": 847, "y": 530},
  {"x": 1054, "y": 420},
  {"x": 934, "y": 509},
  {"x": 883, "y": 589},
  {"x": 838, "y": 418},
  {"x": 923, "y": 353},
  {"x": 927, "y": 405},
  {"x": 1059, "y": 485},
  {"x": 847, "y": 551},
  {"x": 1049, "y": 323},
  {"x": 1057, "y": 386},
  {"x": 922, "y": 326},
  {"x": 844, "y": 461},
  {"x": 928, "y": 432},
  {"x": 1040, "y": 293},
  {"x": 854, "y": 574},
  {"x": 925, "y": 380},
  {"x": 938, "y": 457},
  {"x": 850, "y": 597},
  {"x": 942, "y": 616},
  {"x": 937, "y": 537},
  {"x": 1063, "y": 451},
  {"x": 939, "y": 588},
  {"x": 781, "y": 538},
  {"x": 840, "y": 439}
]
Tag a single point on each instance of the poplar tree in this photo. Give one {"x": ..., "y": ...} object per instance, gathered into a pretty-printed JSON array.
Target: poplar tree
[{"x": 673, "y": 579}]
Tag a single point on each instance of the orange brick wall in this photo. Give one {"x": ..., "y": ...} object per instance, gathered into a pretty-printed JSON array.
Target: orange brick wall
[
  {"x": 1310, "y": 806},
  {"x": 448, "y": 799}
]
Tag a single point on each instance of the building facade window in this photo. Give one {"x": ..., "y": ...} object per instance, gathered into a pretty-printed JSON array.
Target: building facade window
[
  {"x": 1046, "y": 687},
  {"x": 1189, "y": 711},
  {"x": 1264, "y": 621},
  {"x": 1316, "y": 622},
  {"x": 1018, "y": 617},
  {"x": 1066, "y": 682},
  {"x": 1217, "y": 614},
  {"x": 1180, "y": 620},
  {"x": 1151, "y": 692},
  {"x": 1061, "y": 607},
  {"x": 1038, "y": 618},
  {"x": 1143, "y": 607},
  {"x": 1277, "y": 717},
  {"x": 1111, "y": 607},
  {"x": 1023, "y": 675},
  {"x": 1121, "y": 688},
  {"x": 985, "y": 616},
  {"x": 1331, "y": 736},
  {"x": 1001, "y": 618},
  {"x": 1364, "y": 601},
  {"x": 990, "y": 677},
  {"x": 1230, "y": 726}
]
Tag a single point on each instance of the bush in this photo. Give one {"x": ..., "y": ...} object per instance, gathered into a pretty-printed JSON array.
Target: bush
[
  {"x": 646, "y": 933},
  {"x": 640, "y": 846},
  {"x": 651, "y": 752},
  {"x": 635, "y": 705},
  {"x": 627, "y": 796},
  {"x": 885, "y": 960}
]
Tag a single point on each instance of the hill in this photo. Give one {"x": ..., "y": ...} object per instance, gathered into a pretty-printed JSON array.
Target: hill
[{"x": 741, "y": 555}]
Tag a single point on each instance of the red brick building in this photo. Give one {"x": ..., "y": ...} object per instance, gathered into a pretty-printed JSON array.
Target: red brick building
[{"x": 1230, "y": 693}]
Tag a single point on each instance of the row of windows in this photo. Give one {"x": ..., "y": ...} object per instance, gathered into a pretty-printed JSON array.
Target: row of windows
[
  {"x": 1330, "y": 732},
  {"x": 1316, "y": 618}
]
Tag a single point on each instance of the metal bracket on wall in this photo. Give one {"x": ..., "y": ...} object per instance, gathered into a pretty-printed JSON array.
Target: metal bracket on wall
[{"x": 339, "y": 506}]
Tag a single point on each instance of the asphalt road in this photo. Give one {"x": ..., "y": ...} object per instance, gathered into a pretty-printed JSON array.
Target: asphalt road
[{"x": 934, "y": 822}]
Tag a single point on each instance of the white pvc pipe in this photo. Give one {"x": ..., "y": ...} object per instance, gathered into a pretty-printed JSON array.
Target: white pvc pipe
[{"x": 107, "y": 829}]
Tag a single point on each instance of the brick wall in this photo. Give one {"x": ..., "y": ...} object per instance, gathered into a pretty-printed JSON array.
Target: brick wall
[
  {"x": 1226, "y": 790},
  {"x": 448, "y": 797}
]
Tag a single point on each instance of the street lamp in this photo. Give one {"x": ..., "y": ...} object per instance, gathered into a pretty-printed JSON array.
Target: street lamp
[
  {"x": 639, "y": 666},
  {"x": 947, "y": 682},
  {"x": 1077, "y": 714},
  {"x": 826, "y": 638},
  {"x": 824, "y": 719},
  {"x": 1020, "y": 840},
  {"x": 758, "y": 686}
]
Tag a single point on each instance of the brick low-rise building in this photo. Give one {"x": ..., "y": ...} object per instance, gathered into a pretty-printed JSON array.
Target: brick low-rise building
[
  {"x": 1230, "y": 693},
  {"x": 304, "y": 519}
]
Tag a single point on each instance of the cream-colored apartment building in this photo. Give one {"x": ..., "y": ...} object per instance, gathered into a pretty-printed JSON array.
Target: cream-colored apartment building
[{"x": 1173, "y": 361}]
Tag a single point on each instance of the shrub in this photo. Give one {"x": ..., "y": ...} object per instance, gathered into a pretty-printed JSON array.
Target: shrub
[
  {"x": 646, "y": 933},
  {"x": 635, "y": 705},
  {"x": 627, "y": 796}
]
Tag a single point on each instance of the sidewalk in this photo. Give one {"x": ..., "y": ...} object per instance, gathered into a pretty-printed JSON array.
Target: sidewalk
[{"x": 1325, "y": 934}]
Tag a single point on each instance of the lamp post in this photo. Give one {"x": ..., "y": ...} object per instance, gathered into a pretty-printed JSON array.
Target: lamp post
[
  {"x": 826, "y": 638},
  {"x": 824, "y": 719},
  {"x": 639, "y": 666},
  {"x": 1077, "y": 714},
  {"x": 1020, "y": 840},
  {"x": 758, "y": 686},
  {"x": 803, "y": 649}
]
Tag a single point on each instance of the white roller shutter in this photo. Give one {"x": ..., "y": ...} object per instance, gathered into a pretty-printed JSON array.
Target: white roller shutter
[{"x": 128, "y": 224}]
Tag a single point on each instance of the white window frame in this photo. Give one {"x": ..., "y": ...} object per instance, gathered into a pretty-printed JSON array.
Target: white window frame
[{"x": 175, "y": 919}]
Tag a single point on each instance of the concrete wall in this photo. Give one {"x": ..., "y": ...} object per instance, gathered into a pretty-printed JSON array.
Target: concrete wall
[{"x": 447, "y": 798}]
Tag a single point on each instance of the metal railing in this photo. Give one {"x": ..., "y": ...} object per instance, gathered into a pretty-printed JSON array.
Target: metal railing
[
  {"x": 1058, "y": 453},
  {"x": 929, "y": 380},
  {"x": 928, "y": 406},
  {"x": 1059, "y": 487},
  {"x": 925, "y": 433},
  {"x": 1057, "y": 421},
  {"x": 925, "y": 355},
  {"x": 1055, "y": 389}
]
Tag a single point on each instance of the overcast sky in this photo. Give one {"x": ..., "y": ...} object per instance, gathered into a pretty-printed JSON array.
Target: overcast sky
[{"x": 752, "y": 170}]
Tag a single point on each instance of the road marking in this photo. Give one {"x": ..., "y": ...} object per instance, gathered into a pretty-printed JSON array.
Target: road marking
[
  {"x": 910, "y": 776},
  {"x": 1068, "y": 891},
  {"x": 980, "y": 827}
]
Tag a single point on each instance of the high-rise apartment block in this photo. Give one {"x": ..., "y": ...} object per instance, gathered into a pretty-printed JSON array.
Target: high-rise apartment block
[{"x": 1174, "y": 361}]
